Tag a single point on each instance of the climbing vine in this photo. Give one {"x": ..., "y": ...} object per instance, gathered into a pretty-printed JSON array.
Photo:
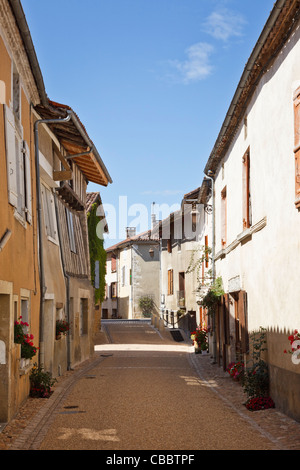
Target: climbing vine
[
  {"x": 97, "y": 253},
  {"x": 210, "y": 291}
]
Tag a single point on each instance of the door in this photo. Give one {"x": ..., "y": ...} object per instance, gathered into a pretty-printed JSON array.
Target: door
[{"x": 181, "y": 294}]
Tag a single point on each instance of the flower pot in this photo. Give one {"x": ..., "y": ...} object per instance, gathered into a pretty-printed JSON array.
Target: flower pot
[{"x": 24, "y": 363}]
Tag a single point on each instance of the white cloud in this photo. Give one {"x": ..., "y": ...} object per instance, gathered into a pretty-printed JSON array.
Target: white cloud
[
  {"x": 223, "y": 24},
  {"x": 197, "y": 65}
]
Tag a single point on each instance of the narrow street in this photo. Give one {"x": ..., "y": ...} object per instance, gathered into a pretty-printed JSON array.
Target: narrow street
[{"x": 143, "y": 391}]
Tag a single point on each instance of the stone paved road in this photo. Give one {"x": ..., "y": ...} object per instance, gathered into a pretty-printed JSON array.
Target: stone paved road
[
  {"x": 143, "y": 391},
  {"x": 136, "y": 399}
]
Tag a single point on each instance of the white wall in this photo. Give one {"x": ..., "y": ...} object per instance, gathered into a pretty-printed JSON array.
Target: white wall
[{"x": 268, "y": 264}]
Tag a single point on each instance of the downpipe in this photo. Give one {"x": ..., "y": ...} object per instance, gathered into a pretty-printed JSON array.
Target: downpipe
[
  {"x": 43, "y": 287},
  {"x": 213, "y": 268}
]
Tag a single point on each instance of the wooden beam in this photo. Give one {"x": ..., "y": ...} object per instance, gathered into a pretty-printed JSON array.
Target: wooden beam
[{"x": 62, "y": 175}]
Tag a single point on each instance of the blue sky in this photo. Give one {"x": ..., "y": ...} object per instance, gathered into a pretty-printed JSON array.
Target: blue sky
[{"x": 151, "y": 80}]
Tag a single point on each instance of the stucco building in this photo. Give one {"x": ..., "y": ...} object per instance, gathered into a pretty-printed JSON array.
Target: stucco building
[
  {"x": 132, "y": 273},
  {"x": 255, "y": 167},
  {"x": 47, "y": 159}
]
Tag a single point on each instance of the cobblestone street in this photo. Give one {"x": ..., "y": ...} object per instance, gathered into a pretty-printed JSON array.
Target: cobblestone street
[{"x": 192, "y": 377}]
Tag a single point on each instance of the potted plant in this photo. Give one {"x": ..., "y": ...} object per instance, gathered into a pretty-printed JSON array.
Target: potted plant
[
  {"x": 146, "y": 304},
  {"x": 256, "y": 377},
  {"x": 40, "y": 382},
  {"x": 199, "y": 337}
]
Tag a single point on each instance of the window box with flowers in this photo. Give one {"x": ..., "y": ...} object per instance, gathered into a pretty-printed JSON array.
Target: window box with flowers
[
  {"x": 28, "y": 350},
  {"x": 61, "y": 329}
]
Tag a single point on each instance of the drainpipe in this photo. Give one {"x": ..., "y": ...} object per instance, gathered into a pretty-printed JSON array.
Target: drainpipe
[
  {"x": 67, "y": 278},
  {"x": 213, "y": 268},
  {"x": 40, "y": 232},
  {"x": 5, "y": 239}
]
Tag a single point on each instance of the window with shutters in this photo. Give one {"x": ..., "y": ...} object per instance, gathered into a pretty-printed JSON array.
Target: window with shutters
[
  {"x": 18, "y": 167},
  {"x": 113, "y": 288},
  {"x": 49, "y": 213},
  {"x": 297, "y": 146}
]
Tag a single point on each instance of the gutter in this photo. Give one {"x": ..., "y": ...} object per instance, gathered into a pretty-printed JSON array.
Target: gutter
[
  {"x": 248, "y": 69},
  {"x": 213, "y": 269},
  {"x": 67, "y": 278},
  {"x": 29, "y": 48}
]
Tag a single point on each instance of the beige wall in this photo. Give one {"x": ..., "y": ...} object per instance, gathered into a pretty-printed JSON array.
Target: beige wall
[{"x": 18, "y": 260}]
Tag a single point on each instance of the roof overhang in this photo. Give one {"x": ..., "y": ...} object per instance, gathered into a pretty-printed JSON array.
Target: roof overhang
[{"x": 75, "y": 140}]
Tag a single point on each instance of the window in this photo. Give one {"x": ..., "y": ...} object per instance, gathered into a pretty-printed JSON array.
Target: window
[
  {"x": 18, "y": 167},
  {"x": 170, "y": 282},
  {"x": 25, "y": 313},
  {"x": 83, "y": 316},
  {"x": 70, "y": 223},
  {"x": 113, "y": 289},
  {"x": 49, "y": 212},
  {"x": 297, "y": 146},
  {"x": 113, "y": 263},
  {"x": 247, "y": 209},
  {"x": 224, "y": 217}
]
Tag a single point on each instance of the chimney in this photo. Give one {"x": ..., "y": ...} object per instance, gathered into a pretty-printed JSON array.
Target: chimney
[
  {"x": 130, "y": 232},
  {"x": 153, "y": 221}
]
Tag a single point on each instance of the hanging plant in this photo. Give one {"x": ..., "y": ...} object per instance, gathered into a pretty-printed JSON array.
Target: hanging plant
[
  {"x": 97, "y": 253},
  {"x": 213, "y": 296}
]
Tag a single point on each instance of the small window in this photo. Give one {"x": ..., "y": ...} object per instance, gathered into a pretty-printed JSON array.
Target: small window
[
  {"x": 49, "y": 212},
  {"x": 113, "y": 263},
  {"x": 83, "y": 318},
  {"x": 70, "y": 223},
  {"x": 25, "y": 313},
  {"x": 113, "y": 288}
]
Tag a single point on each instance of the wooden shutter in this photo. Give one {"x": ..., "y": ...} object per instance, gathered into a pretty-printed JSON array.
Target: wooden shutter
[
  {"x": 226, "y": 319},
  {"x": 170, "y": 282},
  {"x": 246, "y": 191},
  {"x": 243, "y": 321},
  {"x": 28, "y": 193},
  {"x": 206, "y": 251},
  {"x": 10, "y": 141}
]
